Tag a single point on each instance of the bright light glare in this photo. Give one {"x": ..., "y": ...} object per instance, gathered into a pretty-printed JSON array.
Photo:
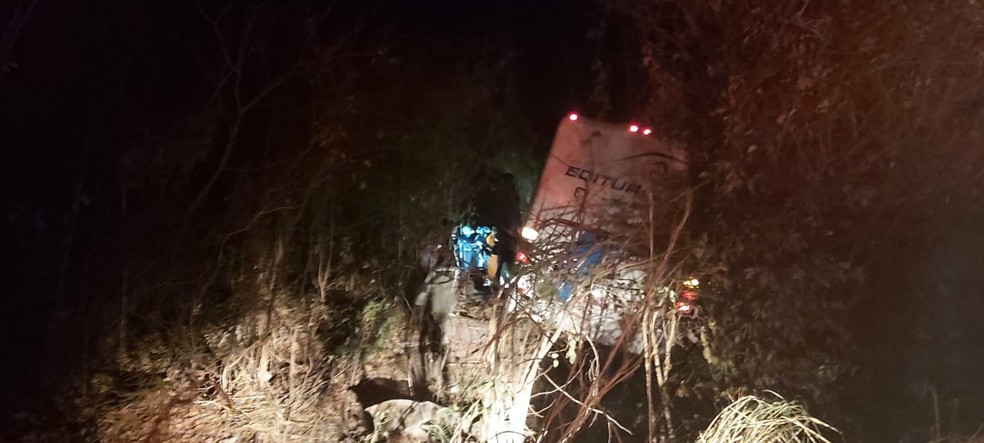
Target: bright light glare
[
  {"x": 572, "y": 116},
  {"x": 683, "y": 306},
  {"x": 634, "y": 128},
  {"x": 529, "y": 233},
  {"x": 692, "y": 282},
  {"x": 525, "y": 286},
  {"x": 647, "y": 131}
]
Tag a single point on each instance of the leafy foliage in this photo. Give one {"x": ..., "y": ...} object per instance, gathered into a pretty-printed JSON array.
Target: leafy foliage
[{"x": 823, "y": 134}]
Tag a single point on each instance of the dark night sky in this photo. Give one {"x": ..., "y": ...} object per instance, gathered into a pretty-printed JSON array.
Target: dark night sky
[
  {"x": 68, "y": 49},
  {"x": 58, "y": 107}
]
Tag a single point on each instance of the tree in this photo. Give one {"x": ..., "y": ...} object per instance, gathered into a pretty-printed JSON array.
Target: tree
[{"x": 821, "y": 134}]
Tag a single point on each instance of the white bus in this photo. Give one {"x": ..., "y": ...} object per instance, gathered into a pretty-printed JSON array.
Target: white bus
[{"x": 608, "y": 193}]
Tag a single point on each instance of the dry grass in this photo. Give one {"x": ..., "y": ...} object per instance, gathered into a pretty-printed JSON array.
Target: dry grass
[
  {"x": 263, "y": 377},
  {"x": 753, "y": 419}
]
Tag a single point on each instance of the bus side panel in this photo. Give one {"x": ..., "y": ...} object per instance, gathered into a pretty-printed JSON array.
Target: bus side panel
[{"x": 598, "y": 171}]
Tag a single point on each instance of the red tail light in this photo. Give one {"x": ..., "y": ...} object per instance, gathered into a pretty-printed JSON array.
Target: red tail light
[
  {"x": 688, "y": 295},
  {"x": 521, "y": 257}
]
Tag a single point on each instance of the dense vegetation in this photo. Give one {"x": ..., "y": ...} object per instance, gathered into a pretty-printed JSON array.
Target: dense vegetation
[
  {"x": 838, "y": 156},
  {"x": 247, "y": 187},
  {"x": 258, "y": 190}
]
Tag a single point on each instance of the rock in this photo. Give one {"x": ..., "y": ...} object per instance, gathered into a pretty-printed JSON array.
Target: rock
[{"x": 408, "y": 417}]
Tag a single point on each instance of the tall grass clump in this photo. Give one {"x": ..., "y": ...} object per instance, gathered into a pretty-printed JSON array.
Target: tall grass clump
[{"x": 753, "y": 419}]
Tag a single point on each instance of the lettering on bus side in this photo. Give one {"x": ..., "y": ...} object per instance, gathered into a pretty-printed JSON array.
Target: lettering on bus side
[{"x": 618, "y": 184}]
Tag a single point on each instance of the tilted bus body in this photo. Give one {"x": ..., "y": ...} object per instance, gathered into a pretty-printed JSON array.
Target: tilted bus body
[
  {"x": 607, "y": 199},
  {"x": 597, "y": 171}
]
